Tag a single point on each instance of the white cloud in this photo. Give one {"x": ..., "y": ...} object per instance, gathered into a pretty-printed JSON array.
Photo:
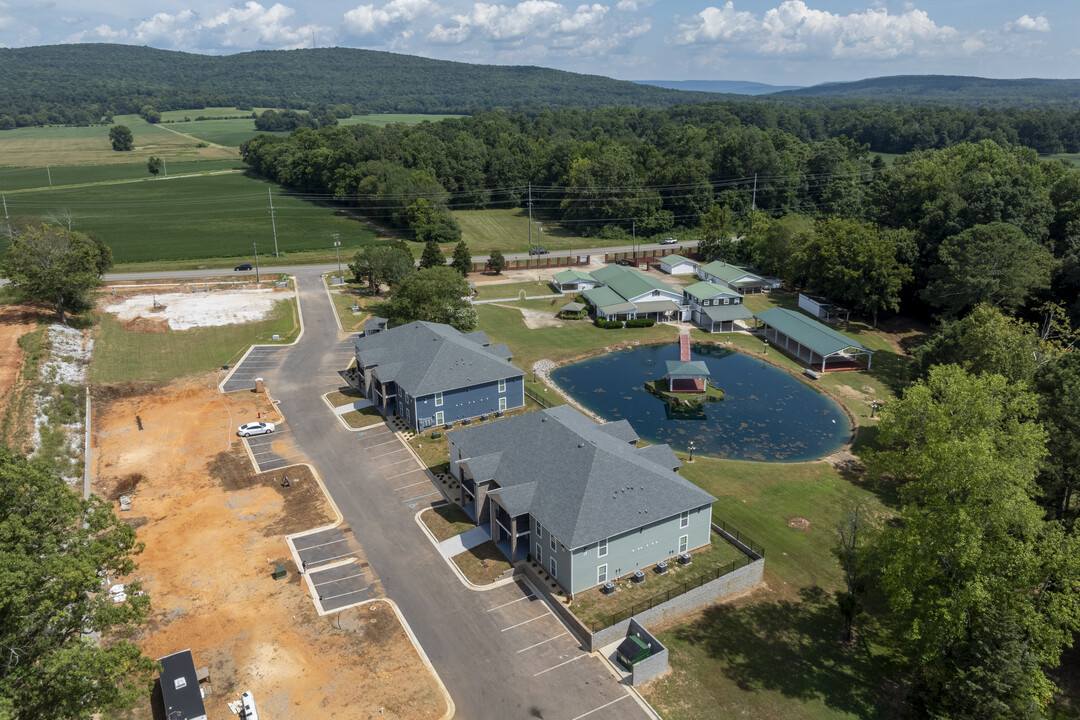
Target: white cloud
[
  {"x": 633, "y": 5},
  {"x": 795, "y": 28},
  {"x": 1026, "y": 23},
  {"x": 367, "y": 19},
  {"x": 530, "y": 19}
]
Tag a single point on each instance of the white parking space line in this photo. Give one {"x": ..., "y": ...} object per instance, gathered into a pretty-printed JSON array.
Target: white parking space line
[
  {"x": 526, "y": 622},
  {"x": 387, "y": 453},
  {"x": 329, "y": 559},
  {"x": 411, "y": 485},
  {"x": 527, "y": 597},
  {"x": 555, "y": 667},
  {"x": 331, "y": 542},
  {"x": 396, "y": 462},
  {"x": 335, "y": 597},
  {"x": 623, "y": 697},
  {"x": 331, "y": 582},
  {"x": 543, "y": 641},
  {"x": 407, "y": 472},
  {"x": 421, "y": 496},
  {"x": 382, "y": 443}
]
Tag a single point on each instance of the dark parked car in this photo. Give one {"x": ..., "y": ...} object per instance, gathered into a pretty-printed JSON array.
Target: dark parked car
[
  {"x": 538, "y": 251},
  {"x": 623, "y": 262},
  {"x": 242, "y": 266}
]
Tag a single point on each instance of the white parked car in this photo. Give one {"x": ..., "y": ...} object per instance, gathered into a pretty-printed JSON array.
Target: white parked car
[
  {"x": 669, "y": 241},
  {"x": 255, "y": 428}
]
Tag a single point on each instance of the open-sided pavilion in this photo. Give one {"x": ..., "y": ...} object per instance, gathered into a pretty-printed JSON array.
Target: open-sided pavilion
[{"x": 812, "y": 342}]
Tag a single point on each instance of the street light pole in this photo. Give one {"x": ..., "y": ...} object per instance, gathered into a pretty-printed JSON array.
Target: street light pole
[
  {"x": 256, "y": 248},
  {"x": 337, "y": 252},
  {"x": 692, "y": 448}
]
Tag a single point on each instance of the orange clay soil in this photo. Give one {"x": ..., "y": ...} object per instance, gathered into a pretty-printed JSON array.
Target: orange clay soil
[
  {"x": 15, "y": 321},
  {"x": 214, "y": 530}
]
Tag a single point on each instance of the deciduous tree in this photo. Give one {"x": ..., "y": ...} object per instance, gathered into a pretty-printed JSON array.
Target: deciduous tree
[
  {"x": 50, "y": 264},
  {"x": 983, "y": 589},
  {"x": 55, "y": 551},
  {"x": 996, "y": 264},
  {"x": 435, "y": 295},
  {"x": 382, "y": 265},
  {"x": 154, "y": 165},
  {"x": 121, "y": 138}
]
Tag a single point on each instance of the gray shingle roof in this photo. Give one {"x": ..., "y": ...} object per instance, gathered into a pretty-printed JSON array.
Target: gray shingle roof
[
  {"x": 581, "y": 482},
  {"x": 424, "y": 358}
]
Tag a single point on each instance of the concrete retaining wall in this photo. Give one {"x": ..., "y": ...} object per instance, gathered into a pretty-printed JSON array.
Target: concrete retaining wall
[
  {"x": 742, "y": 579},
  {"x": 653, "y": 666}
]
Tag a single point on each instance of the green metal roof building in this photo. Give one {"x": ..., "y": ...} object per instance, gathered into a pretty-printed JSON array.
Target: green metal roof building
[
  {"x": 812, "y": 342},
  {"x": 735, "y": 277}
]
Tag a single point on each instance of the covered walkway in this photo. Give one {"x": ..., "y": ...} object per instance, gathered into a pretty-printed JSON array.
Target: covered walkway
[{"x": 812, "y": 342}]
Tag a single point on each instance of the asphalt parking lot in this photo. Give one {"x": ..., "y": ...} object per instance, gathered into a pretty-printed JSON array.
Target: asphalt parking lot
[
  {"x": 260, "y": 362},
  {"x": 401, "y": 474},
  {"x": 273, "y": 451},
  {"x": 343, "y": 586}
]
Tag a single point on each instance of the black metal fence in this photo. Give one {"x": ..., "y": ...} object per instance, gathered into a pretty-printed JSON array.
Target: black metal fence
[
  {"x": 538, "y": 400},
  {"x": 674, "y": 592},
  {"x": 733, "y": 532}
]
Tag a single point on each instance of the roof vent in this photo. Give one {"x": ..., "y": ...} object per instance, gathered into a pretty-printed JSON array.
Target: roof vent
[{"x": 581, "y": 444}]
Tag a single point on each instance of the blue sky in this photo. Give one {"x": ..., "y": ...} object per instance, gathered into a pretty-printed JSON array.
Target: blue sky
[{"x": 799, "y": 42}]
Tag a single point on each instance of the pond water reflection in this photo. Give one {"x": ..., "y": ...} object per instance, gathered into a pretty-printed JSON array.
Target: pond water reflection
[{"x": 766, "y": 415}]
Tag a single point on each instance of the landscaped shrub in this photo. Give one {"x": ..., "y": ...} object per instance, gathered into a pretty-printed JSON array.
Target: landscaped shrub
[
  {"x": 640, "y": 322},
  {"x": 608, "y": 324}
]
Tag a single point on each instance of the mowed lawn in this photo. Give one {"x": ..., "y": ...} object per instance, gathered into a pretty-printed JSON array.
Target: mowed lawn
[
  {"x": 776, "y": 655},
  {"x": 197, "y": 217},
  {"x": 60, "y": 145},
  {"x": 508, "y": 231},
  {"x": 121, "y": 356},
  {"x": 575, "y": 339}
]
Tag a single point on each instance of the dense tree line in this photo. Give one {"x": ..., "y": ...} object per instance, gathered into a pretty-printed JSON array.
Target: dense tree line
[{"x": 824, "y": 215}]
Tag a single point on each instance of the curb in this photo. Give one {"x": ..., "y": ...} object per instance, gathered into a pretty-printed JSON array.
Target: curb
[
  {"x": 449, "y": 561},
  {"x": 337, "y": 318},
  {"x": 300, "y": 317},
  {"x": 345, "y": 424}
]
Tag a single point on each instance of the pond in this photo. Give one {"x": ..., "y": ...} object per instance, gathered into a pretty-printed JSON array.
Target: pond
[{"x": 766, "y": 415}]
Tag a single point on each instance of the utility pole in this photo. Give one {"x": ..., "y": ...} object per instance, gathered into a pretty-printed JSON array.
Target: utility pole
[
  {"x": 273, "y": 224},
  {"x": 7, "y": 220},
  {"x": 256, "y": 247},
  {"x": 337, "y": 251},
  {"x": 633, "y": 230},
  {"x": 530, "y": 218},
  {"x": 165, "y": 165},
  {"x": 47, "y": 170},
  {"x": 753, "y": 202}
]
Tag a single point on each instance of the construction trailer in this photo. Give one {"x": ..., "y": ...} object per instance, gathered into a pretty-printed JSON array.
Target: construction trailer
[{"x": 180, "y": 692}]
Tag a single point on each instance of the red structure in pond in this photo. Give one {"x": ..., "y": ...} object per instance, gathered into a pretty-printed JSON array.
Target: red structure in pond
[{"x": 686, "y": 375}]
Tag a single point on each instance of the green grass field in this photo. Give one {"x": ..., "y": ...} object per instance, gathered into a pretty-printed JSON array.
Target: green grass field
[
  {"x": 120, "y": 355},
  {"x": 777, "y": 657},
  {"x": 61, "y": 175},
  {"x": 495, "y": 291},
  {"x": 58, "y": 145},
  {"x": 199, "y": 217}
]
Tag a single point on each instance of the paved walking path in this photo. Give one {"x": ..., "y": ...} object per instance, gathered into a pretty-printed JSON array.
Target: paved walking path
[{"x": 465, "y": 541}]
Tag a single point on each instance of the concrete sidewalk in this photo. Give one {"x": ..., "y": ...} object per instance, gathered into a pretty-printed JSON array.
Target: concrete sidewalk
[
  {"x": 465, "y": 541},
  {"x": 358, "y": 405}
]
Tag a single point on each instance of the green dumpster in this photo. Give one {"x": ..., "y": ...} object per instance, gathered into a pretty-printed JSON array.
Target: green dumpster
[{"x": 631, "y": 651}]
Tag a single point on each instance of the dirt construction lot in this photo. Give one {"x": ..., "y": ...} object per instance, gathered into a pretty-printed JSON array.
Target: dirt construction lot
[{"x": 214, "y": 531}]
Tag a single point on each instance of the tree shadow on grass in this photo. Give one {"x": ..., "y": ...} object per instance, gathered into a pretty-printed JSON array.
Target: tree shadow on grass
[{"x": 793, "y": 648}]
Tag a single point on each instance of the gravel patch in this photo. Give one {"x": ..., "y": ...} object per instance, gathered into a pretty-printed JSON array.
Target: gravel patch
[{"x": 184, "y": 311}]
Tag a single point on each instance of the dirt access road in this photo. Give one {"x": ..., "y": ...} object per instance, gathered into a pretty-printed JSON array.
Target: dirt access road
[
  {"x": 489, "y": 670},
  {"x": 213, "y": 531}
]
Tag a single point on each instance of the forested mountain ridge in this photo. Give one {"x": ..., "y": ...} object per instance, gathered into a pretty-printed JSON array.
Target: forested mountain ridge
[
  {"x": 952, "y": 90},
  {"x": 82, "y": 83}
]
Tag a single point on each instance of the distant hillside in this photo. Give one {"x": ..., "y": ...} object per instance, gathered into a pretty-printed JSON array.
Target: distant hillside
[
  {"x": 954, "y": 90},
  {"x": 735, "y": 87},
  {"x": 80, "y": 83}
]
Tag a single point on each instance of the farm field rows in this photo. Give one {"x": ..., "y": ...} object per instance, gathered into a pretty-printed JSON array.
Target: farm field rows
[
  {"x": 198, "y": 217},
  {"x": 60, "y": 175}
]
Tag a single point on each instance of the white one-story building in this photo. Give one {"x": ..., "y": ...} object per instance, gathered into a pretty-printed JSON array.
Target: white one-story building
[{"x": 678, "y": 265}]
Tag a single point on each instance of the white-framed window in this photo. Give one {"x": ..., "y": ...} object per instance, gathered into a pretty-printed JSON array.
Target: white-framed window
[
  {"x": 684, "y": 519},
  {"x": 438, "y": 399},
  {"x": 502, "y": 404},
  {"x": 725, "y": 301},
  {"x": 553, "y": 566},
  {"x": 539, "y": 530},
  {"x": 551, "y": 541},
  {"x": 601, "y": 574},
  {"x": 601, "y": 548},
  {"x": 539, "y": 553},
  {"x": 502, "y": 386},
  {"x": 684, "y": 540},
  {"x": 440, "y": 419}
]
